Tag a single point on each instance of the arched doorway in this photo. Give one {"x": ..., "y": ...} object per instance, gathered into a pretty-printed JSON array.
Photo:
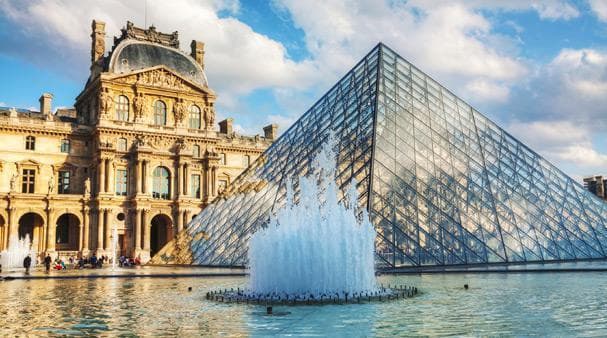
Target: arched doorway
[
  {"x": 67, "y": 233},
  {"x": 160, "y": 233},
  {"x": 31, "y": 224}
]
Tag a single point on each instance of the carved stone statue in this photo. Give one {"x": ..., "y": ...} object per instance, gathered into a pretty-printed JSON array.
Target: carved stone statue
[
  {"x": 105, "y": 103},
  {"x": 51, "y": 184},
  {"x": 179, "y": 111},
  {"x": 87, "y": 186},
  {"x": 180, "y": 144},
  {"x": 209, "y": 117},
  {"x": 14, "y": 183},
  {"x": 139, "y": 103}
]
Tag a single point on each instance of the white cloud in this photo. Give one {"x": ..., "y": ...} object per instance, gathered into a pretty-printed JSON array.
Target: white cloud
[
  {"x": 599, "y": 7},
  {"x": 572, "y": 87},
  {"x": 448, "y": 40},
  {"x": 2, "y": 104},
  {"x": 562, "y": 142},
  {"x": 554, "y": 10}
]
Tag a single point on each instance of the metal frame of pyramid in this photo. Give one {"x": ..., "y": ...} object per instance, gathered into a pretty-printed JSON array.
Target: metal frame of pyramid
[{"x": 443, "y": 184}]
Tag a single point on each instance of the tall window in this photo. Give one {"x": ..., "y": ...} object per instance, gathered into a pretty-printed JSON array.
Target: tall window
[
  {"x": 222, "y": 158},
  {"x": 160, "y": 113},
  {"x": 121, "y": 182},
  {"x": 28, "y": 180},
  {"x": 161, "y": 186},
  {"x": 194, "y": 120},
  {"x": 122, "y": 108},
  {"x": 195, "y": 186},
  {"x": 196, "y": 150},
  {"x": 65, "y": 145},
  {"x": 246, "y": 161},
  {"x": 64, "y": 182},
  {"x": 30, "y": 143},
  {"x": 121, "y": 144}
]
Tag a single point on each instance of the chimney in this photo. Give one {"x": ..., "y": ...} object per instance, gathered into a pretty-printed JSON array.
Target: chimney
[
  {"x": 269, "y": 131},
  {"x": 98, "y": 41},
  {"x": 225, "y": 126},
  {"x": 45, "y": 104},
  {"x": 198, "y": 52}
]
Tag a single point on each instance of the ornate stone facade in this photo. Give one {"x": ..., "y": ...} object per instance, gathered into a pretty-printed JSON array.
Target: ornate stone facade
[{"x": 140, "y": 153}]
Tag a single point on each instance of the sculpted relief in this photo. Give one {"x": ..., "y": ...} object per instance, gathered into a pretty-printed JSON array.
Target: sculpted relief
[
  {"x": 179, "y": 109},
  {"x": 106, "y": 102},
  {"x": 209, "y": 117},
  {"x": 161, "y": 78}
]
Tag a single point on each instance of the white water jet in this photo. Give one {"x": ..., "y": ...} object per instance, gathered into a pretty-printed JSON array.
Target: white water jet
[
  {"x": 317, "y": 246},
  {"x": 114, "y": 246},
  {"x": 18, "y": 249}
]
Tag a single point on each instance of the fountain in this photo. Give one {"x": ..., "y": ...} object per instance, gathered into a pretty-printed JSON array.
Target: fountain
[
  {"x": 315, "y": 249},
  {"x": 18, "y": 249},
  {"x": 114, "y": 246},
  {"x": 317, "y": 245}
]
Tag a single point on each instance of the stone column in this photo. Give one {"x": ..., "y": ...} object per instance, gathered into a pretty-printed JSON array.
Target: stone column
[
  {"x": 179, "y": 190},
  {"x": 100, "y": 229},
  {"x": 80, "y": 237},
  {"x": 101, "y": 180},
  {"x": 107, "y": 175},
  {"x": 144, "y": 176},
  {"x": 147, "y": 228},
  {"x": 110, "y": 176},
  {"x": 137, "y": 230},
  {"x": 86, "y": 231},
  {"x": 186, "y": 180},
  {"x": 13, "y": 226},
  {"x": 138, "y": 176},
  {"x": 51, "y": 231},
  {"x": 108, "y": 229},
  {"x": 179, "y": 222}
]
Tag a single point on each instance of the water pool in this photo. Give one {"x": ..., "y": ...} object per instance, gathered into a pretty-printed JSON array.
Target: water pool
[{"x": 563, "y": 304}]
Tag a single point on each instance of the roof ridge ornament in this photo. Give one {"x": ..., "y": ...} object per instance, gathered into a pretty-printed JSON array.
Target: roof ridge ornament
[{"x": 150, "y": 35}]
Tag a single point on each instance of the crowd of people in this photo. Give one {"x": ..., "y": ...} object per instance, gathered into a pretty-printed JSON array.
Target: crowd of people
[{"x": 92, "y": 262}]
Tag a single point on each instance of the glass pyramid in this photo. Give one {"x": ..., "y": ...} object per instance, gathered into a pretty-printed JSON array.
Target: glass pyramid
[{"x": 443, "y": 184}]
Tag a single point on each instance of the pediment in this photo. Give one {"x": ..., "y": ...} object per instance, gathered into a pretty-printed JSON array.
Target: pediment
[{"x": 158, "y": 77}]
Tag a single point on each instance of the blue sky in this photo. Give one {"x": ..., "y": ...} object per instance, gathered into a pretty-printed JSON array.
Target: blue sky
[{"x": 537, "y": 67}]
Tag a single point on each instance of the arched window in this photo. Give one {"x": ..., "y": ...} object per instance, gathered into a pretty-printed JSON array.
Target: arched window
[
  {"x": 162, "y": 183},
  {"x": 160, "y": 113},
  {"x": 121, "y": 144},
  {"x": 196, "y": 150},
  {"x": 194, "y": 121},
  {"x": 122, "y": 108},
  {"x": 30, "y": 143}
]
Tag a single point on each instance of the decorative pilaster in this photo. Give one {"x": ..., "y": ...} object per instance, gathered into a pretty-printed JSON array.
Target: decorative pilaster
[
  {"x": 108, "y": 229},
  {"x": 86, "y": 232},
  {"x": 101, "y": 180},
  {"x": 137, "y": 230},
  {"x": 51, "y": 231},
  {"x": 100, "y": 229},
  {"x": 179, "y": 222}
]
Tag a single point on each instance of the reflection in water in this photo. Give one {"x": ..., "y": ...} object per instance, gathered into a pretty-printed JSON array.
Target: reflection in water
[{"x": 507, "y": 304}]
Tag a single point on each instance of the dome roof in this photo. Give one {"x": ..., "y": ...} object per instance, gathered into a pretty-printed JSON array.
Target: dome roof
[{"x": 131, "y": 55}]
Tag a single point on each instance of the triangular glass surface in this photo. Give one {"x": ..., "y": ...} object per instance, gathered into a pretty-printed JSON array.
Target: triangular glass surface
[{"x": 443, "y": 184}]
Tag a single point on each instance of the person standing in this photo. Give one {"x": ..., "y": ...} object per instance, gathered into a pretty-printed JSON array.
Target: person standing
[
  {"x": 27, "y": 262},
  {"x": 47, "y": 263}
]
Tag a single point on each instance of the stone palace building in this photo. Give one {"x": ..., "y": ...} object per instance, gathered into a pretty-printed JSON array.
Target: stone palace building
[{"x": 139, "y": 156}]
